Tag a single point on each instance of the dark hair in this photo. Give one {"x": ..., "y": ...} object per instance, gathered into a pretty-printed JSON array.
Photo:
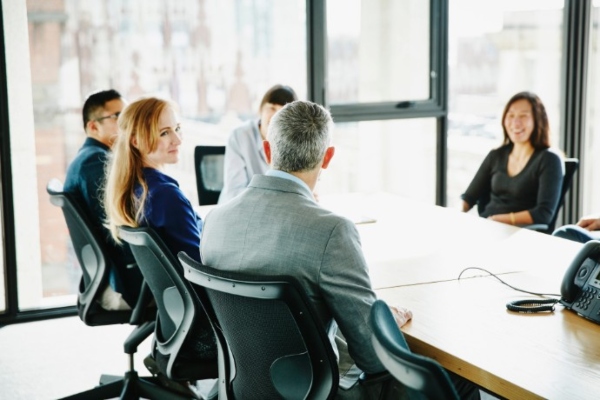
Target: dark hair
[
  {"x": 96, "y": 101},
  {"x": 279, "y": 94},
  {"x": 540, "y": 137}
]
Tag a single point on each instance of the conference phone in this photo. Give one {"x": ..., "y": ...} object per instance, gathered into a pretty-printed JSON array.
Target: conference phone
[{"x": 580, "y": 288}]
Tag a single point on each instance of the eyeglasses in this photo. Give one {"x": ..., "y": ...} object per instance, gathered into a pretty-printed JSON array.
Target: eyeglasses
[{"x": 111, "y": 116}]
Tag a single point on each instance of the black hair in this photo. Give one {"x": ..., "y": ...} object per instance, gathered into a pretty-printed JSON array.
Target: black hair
[
  {"x": 540, "y": 137},
  {"x": 96, "y": 101},
  {"x": 279, "y": 94}
]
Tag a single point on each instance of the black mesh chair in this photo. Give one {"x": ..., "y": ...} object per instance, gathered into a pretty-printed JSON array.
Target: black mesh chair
[
  {"x": 271, "y": 343},
  {"x": 209, "y": 164},
  {"x": 571, "y": 166},
  {"x": 93, "y": 258},
  {"x": 181, "y": 318},
  {"x": 421, "y": 374}
]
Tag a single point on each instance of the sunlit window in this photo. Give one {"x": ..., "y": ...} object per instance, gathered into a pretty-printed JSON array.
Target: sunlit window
[
  {"x": 215, "y": 58},
  {"x": 378, "y": 51},
  {"x": 497, "y": 49},
  {"x": 589, "y": 174},
  {"x": 383, "y": 156}
]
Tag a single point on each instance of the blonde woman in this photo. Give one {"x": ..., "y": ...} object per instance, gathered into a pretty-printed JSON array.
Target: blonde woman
[{"x": 138, "y": 193}]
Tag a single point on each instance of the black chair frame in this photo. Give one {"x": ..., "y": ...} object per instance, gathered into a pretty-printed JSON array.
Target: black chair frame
[
  {"x": 179, "y": 308},
  {"x": 206, "y": 195},
  {"x": 93, "y": 258},
  {"x": 323, "y": 362}
]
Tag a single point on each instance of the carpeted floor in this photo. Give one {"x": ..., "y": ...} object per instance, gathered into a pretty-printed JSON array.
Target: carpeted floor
[{"x": 51, "y": 359}]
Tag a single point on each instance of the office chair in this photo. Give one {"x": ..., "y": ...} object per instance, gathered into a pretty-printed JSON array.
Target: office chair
[
  {"x": 209, "y": 165},
  {"x": 571, "y": 166},
  {"x": 91, "y": 252},
  {"x": 272, "y": 345},
  {"x": 421, "y": 374},
  {"x": 181, "y": 318}
]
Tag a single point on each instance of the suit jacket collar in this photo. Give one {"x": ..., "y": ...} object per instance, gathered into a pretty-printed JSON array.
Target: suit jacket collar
[{"x": 279, "y": 184}]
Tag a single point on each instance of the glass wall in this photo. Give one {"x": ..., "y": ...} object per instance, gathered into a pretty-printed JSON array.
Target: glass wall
[
  {"x": 378, "y": 51},
  {"x": 497, "y": 49},
  {"x": 590, "y": 182},
  {"x": 394, "y": 156},
  {"x": 215, "y": 58}
]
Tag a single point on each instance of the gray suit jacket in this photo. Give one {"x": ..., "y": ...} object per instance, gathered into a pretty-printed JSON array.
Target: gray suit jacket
[{"x": 276, "y": 228}]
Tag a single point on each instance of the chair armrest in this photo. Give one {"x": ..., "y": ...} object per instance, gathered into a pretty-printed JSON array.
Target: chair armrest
[{"x": 138, "y": 335}]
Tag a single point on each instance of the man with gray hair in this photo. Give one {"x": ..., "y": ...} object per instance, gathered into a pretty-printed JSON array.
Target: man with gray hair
[{"x": 275, "y": 227}]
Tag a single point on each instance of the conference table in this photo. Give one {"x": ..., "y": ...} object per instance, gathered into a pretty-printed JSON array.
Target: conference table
[{"x": 417, "y": 251}]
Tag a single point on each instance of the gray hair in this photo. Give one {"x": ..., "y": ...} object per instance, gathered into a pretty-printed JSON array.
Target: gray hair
[{"x": 299, "y": 135}]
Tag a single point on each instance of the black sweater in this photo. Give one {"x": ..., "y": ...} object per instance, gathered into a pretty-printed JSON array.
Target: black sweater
[{"x": 535, "y": 189}]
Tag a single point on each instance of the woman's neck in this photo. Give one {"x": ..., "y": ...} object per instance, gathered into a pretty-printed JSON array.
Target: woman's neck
[{"x": 522, "y": 150}]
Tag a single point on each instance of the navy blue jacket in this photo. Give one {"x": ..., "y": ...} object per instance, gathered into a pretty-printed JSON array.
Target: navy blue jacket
[{"x": 171, "y": 214}]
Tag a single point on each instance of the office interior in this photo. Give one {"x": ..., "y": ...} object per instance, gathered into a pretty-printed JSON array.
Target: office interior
[{"x": 416, "y": 89}]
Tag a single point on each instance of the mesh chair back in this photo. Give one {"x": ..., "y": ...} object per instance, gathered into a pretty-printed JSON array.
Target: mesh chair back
[
  {"x": 181, "y": 319},
  {"x": 419, "y": 373},
  {"x": 91, "y": 252},
  {"x": 209, "y": 165},
  {"x": 278, "y": 348},
  {"x": 571, "y": 166}
]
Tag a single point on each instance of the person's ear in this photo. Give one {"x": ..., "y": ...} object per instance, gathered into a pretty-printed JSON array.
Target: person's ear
[
  {"x": 267, "y": 148},
  {"x": 328, "y": 156},
  {"x": 91, "y": 126},
  {"x": 134, "y": 142}
]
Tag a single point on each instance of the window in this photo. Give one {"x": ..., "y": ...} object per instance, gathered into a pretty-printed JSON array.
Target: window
[
  {"x": 383, "y": 156},
  {"x": 589, "y": 174},
  {"x": 497, "y": 49},
  {"x": 377, "y": 51},
  {"x": 214, "y": 58}
]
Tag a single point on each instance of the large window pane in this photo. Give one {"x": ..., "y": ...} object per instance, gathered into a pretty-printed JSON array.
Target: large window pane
[
  {"x": 395, "y": 156},
  {"x": 376, "y": 51},
  {"x": 497, "y": 49},
  {"x": 215, "y": 58},
  {"x": 589, "y": 169}
]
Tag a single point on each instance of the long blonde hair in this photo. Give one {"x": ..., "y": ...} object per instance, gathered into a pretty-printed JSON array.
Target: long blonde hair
[{"x": 138, "y": 134}]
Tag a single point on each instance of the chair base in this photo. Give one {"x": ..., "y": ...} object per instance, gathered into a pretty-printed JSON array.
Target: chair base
[{"x": 129, "y": 387}]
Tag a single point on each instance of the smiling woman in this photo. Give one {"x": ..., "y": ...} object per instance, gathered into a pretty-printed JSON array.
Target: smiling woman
[
  {"x": 519, "y": 183},
  {"x": 138, "y": 192}
]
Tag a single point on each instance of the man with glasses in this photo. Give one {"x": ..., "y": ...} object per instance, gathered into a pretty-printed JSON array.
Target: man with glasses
[{"x": 85, "y": 179}]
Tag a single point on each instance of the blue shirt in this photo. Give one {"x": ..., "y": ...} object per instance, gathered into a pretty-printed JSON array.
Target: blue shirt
[
  {"x": 286, "y": 175},
  {"x": 171, "y": 214}
]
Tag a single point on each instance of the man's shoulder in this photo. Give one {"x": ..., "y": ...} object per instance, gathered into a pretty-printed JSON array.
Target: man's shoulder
[{"x": 90, "y": 155}]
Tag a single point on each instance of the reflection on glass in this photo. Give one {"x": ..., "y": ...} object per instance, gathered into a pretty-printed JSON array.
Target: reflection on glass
[
  {"x": 394, "y": 156},
  {"x": 377, "y": 50},
  {"x": 589, "y": 174},
  {"x": 214, "y": 58},
  {"x": 497, "y": 49}
]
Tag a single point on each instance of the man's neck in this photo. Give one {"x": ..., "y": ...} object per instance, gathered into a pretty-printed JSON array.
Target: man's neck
[
  {"x": 98, "y": 138},
  {"x": 308, "y": 177}
]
